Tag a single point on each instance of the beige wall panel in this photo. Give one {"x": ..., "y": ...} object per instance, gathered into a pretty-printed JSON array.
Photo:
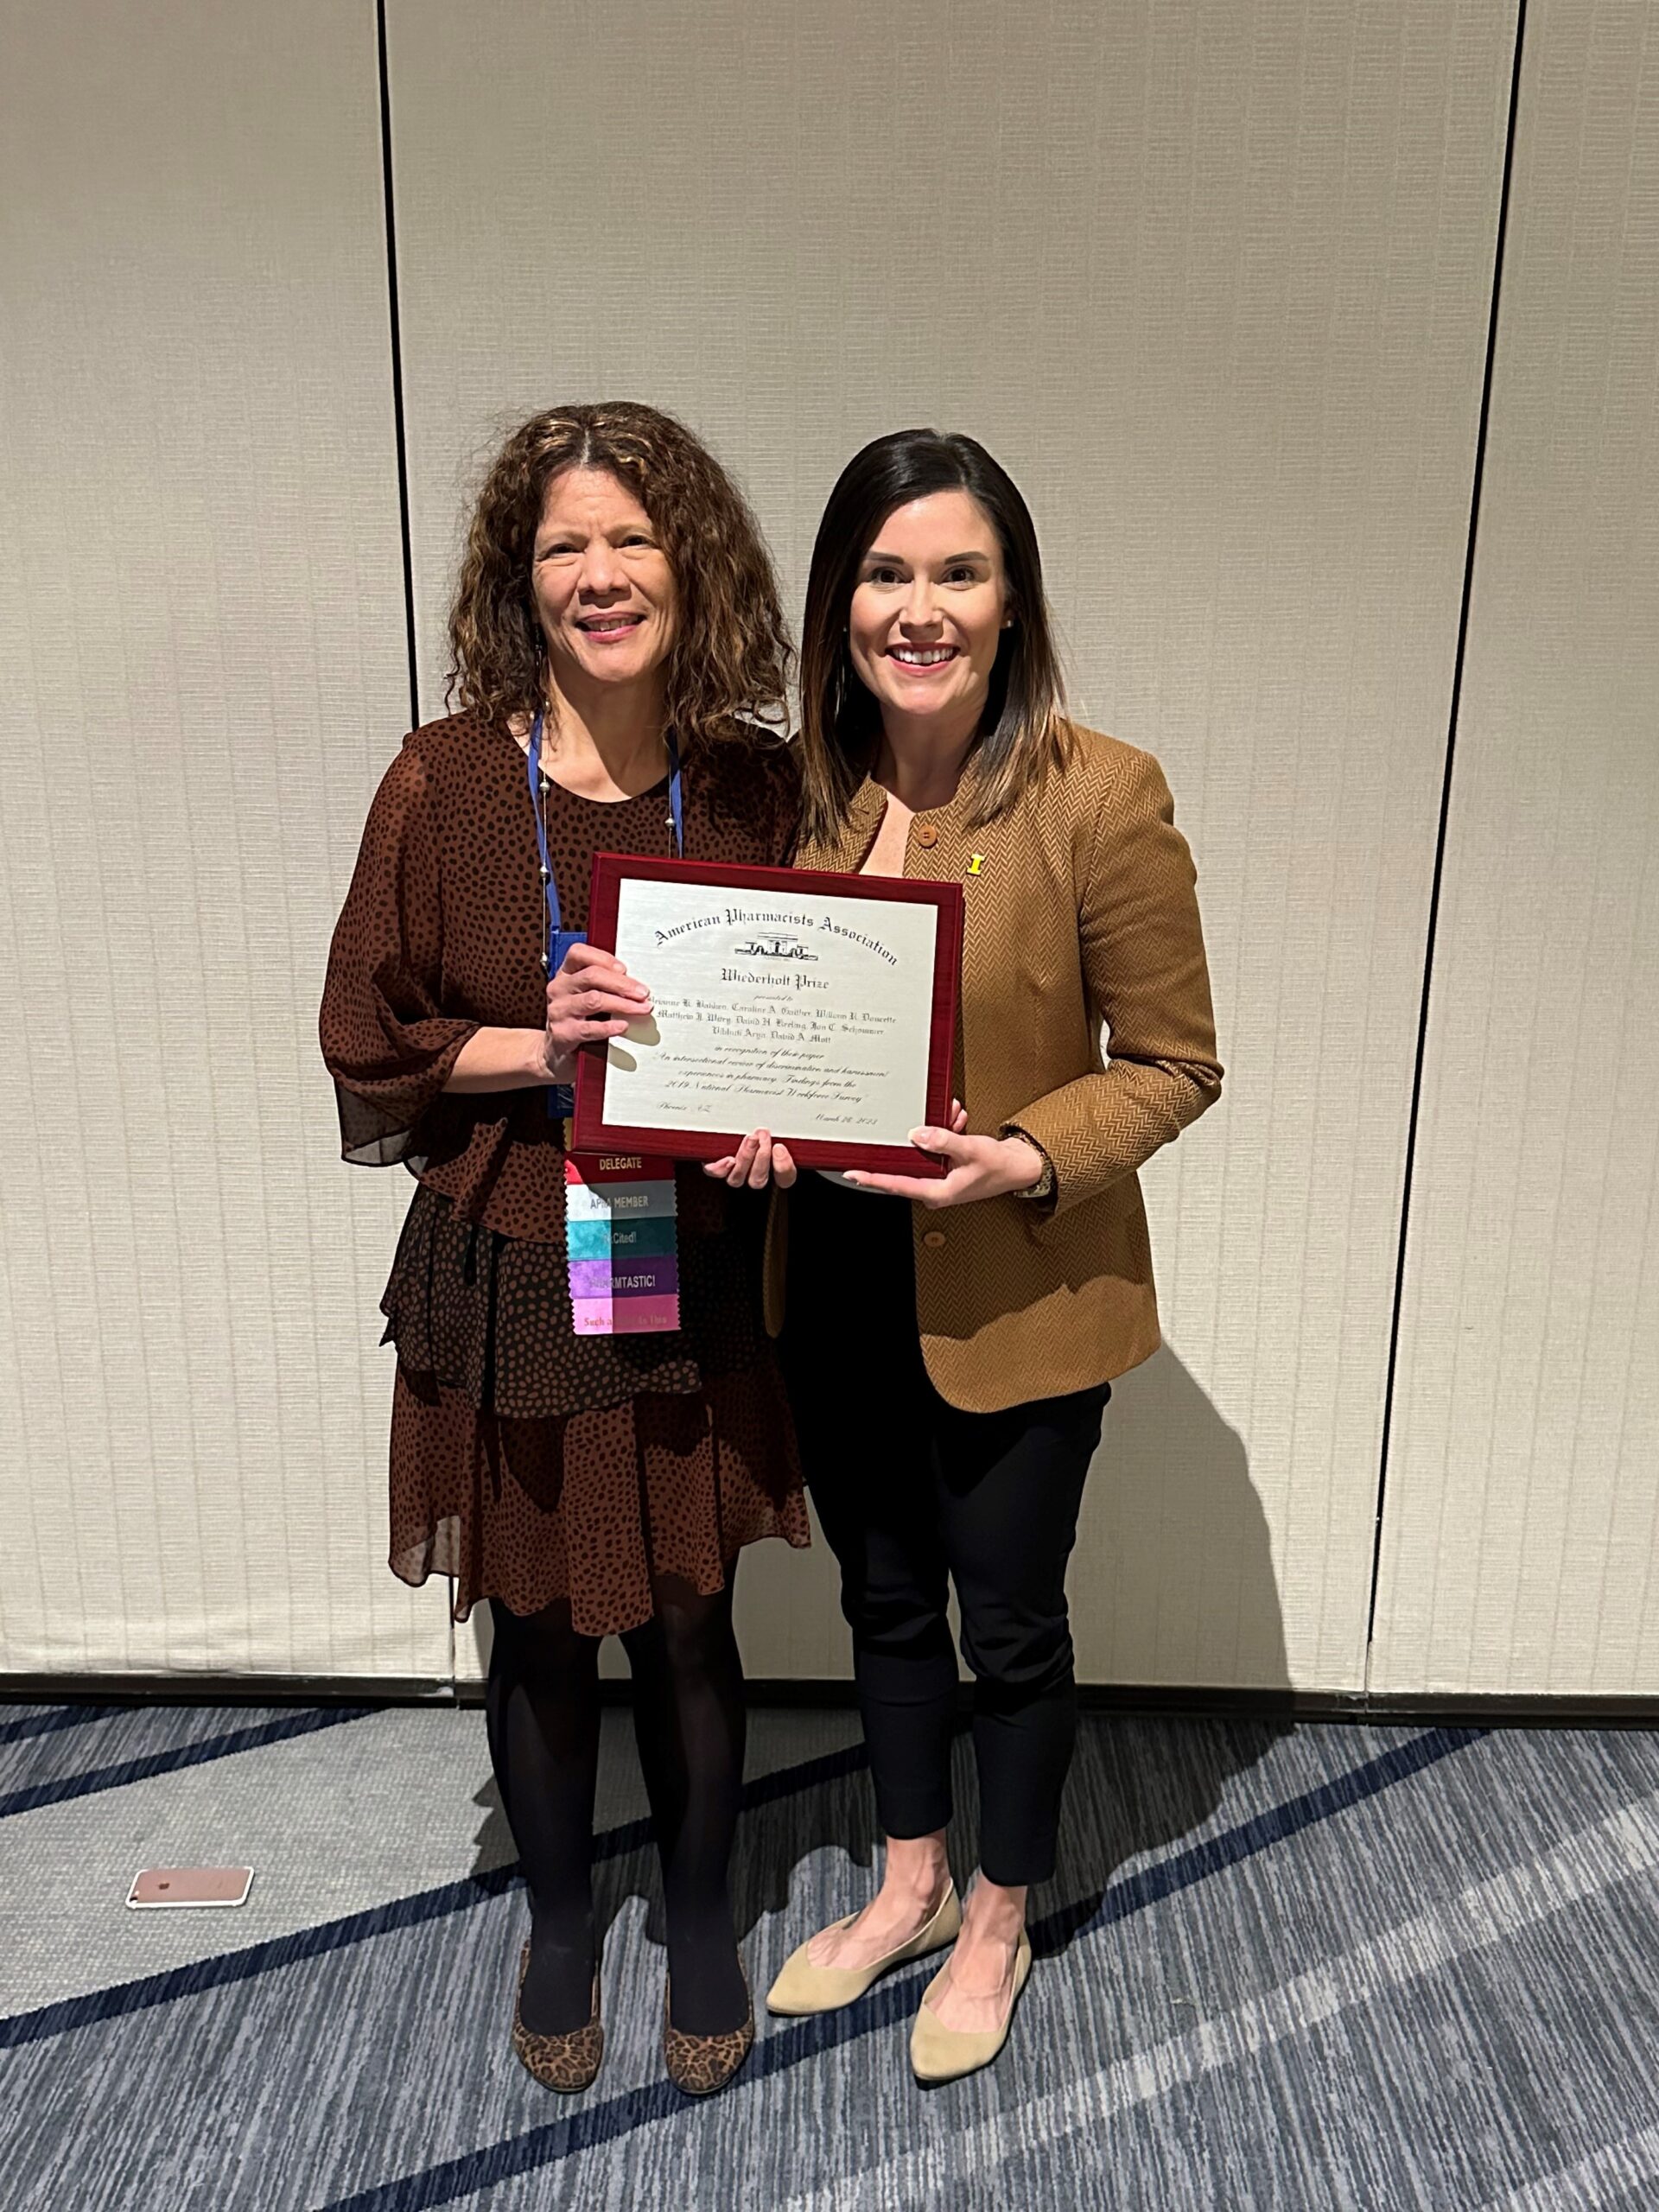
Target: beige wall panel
[
  {"x": 1521, "y": 1515},
  {"x": 201, "y": 578},
  {"x": 1213, "y": 281}
]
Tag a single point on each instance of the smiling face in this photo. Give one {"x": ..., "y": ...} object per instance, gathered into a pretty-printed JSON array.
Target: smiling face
[
  {"x": 929, "y": 609},
  {"x": 603, "y": 586}
]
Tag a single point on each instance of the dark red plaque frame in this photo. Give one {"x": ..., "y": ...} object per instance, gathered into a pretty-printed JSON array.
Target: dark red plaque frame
[{"x": 594, "y": 1134}]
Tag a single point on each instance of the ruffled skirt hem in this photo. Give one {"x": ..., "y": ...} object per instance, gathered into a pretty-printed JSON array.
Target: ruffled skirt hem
[{"x": 592, "y": 1508}]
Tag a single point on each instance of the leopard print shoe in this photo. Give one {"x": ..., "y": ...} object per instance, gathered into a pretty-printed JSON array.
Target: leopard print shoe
[
  {"x": 701, "y": 2064},
  {"x": 565, "y": 2063}
]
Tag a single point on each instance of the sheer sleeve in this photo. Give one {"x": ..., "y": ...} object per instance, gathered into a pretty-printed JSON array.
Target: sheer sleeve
[{"x": 385, "y": 1038}]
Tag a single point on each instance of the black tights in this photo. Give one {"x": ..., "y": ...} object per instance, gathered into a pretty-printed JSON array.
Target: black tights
[{"x": 542, "y": 1704}]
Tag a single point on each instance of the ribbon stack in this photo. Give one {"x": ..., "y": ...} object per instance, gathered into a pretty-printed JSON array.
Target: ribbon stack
[{"x": 622, "y": 1238}]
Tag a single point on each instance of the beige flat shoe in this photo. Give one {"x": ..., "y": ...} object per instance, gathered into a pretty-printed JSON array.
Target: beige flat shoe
[
  {"x": 942, "y": 2054},
  {"x": 801, "y": 1988}
]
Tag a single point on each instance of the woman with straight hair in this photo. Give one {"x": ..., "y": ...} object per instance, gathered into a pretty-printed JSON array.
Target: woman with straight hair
[
  {"x": 586, "y": 1421},
  {"x": 950, "y": 1346}
]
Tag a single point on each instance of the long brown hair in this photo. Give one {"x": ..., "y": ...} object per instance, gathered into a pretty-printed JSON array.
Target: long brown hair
[
  {"x": 1023, "y": 731},
  {"x": 730, "y": 659}
]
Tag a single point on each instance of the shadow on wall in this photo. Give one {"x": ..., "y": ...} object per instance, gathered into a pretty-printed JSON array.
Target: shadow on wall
[
  {"x": 1173, "y": 1585},
  {"x": 1172, "y": 1582}
]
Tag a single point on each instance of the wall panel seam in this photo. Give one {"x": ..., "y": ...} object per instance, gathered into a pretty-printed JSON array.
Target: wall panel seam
[
  {"x": 1440, "y": 834},
  {"x": 396, "y": 362}
]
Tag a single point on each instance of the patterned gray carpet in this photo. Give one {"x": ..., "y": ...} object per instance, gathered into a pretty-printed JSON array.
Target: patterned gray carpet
[{"x": 1313, "y": 1969}]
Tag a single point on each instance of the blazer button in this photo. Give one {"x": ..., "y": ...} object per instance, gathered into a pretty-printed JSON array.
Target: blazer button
[
  {"x": 933, "y": 1238},
  {"x": 927, "y": 835}
]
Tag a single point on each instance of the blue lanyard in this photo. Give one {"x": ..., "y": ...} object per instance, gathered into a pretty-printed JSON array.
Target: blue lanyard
[{"x": 560, "y": 1098}]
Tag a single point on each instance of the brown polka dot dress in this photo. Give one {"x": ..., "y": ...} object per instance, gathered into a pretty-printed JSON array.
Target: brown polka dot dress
[{"x": 527, "y": 1462}]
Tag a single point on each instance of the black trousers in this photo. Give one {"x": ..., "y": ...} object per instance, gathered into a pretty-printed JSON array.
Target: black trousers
[{"x": 911, "y": 1491}]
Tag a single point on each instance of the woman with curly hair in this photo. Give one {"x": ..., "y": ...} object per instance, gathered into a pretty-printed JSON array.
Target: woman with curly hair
[{"x": 589, "y": 1462}]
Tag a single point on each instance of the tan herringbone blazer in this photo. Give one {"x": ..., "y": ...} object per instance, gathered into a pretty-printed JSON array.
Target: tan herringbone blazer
[{"x": 1081, "y": 910}]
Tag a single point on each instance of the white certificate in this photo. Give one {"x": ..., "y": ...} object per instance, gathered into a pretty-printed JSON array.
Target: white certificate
[{"x": 806, "y": 1011}]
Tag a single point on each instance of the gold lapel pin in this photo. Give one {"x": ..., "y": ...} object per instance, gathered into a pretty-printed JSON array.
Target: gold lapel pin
[{"x": 974, "y": 864}]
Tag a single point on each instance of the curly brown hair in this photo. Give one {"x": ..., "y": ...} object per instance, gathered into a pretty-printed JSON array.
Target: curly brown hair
[{"x": 731, "y": 658}]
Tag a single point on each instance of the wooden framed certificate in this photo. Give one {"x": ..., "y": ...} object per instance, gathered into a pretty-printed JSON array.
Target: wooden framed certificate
[{"x": 821, "y": 1007}]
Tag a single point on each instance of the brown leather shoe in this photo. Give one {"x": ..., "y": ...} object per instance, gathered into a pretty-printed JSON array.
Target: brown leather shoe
[
  {"x": 566, "y": 2063},
  {"x": 701, "y": 2064}
]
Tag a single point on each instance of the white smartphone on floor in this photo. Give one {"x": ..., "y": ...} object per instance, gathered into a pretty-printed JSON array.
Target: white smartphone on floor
[{"x": 170, "y": 1885}]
